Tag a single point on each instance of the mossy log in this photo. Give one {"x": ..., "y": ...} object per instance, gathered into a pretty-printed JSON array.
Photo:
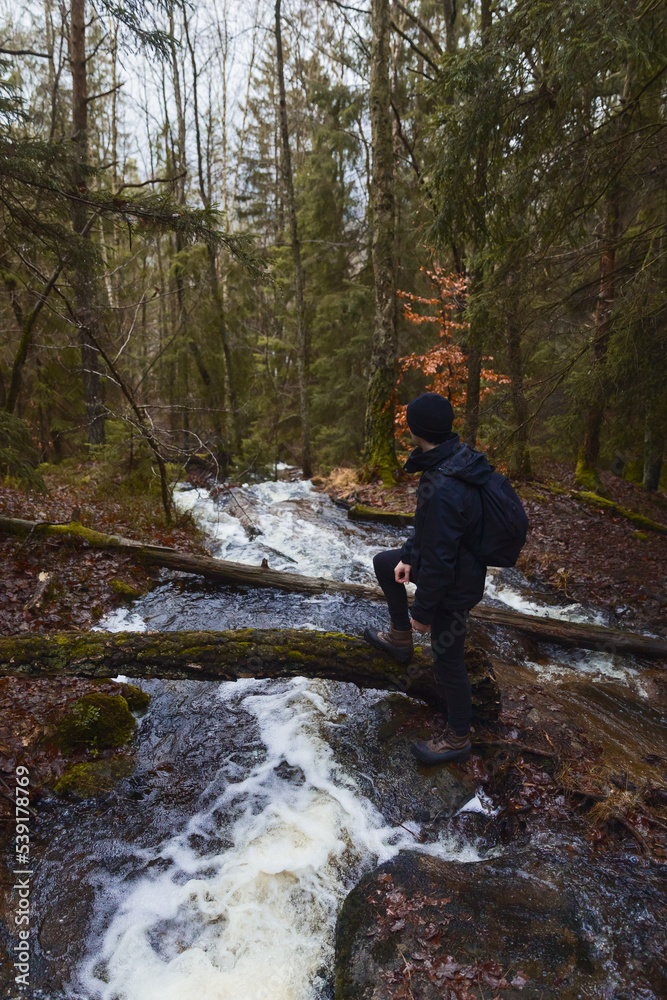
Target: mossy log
[
  {"x": 163, "y": 555},
  {"x": 230, "y": 655},
  {"x": 593, "y": 499},
  {"x": 639, "y": 520},
  {"x": 361, "y": 513},
  {"x": 239, "y": 574},
  {"x": 573, "y": 634}
]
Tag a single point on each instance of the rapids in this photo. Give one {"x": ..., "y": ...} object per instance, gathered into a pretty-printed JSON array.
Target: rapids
[{"x": 217, "y": 870}]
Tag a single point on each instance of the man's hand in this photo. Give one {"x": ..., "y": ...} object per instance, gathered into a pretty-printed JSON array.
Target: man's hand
[
  {"x": 402, "y": 573},
  {"x": 419, "y": 627}
]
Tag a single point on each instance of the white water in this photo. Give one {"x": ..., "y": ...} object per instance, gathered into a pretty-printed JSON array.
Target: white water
[
  {"x": 301, "y": 530},
  {"x": 255, "y": 920}
]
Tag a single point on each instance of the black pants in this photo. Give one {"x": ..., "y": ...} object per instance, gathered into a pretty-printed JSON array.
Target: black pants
[{"x": 448, "y": 633}]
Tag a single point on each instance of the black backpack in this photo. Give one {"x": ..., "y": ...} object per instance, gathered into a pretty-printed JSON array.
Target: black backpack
[{"x": 504, "y": 523}]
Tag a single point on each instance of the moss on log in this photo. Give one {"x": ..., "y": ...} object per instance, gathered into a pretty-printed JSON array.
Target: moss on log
[
  {"x": 361, "y": 513},
  {"x": 214, "y": 569},
  {"x": 228, "y": 656},
  {"x": 240, "y": 574},
  {"x": 639, "y": 520}
]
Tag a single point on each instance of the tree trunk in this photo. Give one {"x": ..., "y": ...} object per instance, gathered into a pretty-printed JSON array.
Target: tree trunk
[
  {"x": 240, "y": 574},
  {"x": 302, "y": 333},
  {"x": 587, "y": 463},
  {"x": 450, "y": 12},
  {"x": 379, "y": 448},
  {"x": 654, "y": 446},
  {"x": 471, "y": 416},
  {"x": 520, "y": 462},
  {"x": 82, "y": 284},
  {"x": 227, "y": 656},
  {"x": 478, "y": 326},
  {"x": 221, "y": 326}
]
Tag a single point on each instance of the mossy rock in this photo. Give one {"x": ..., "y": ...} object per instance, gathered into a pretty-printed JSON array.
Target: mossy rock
[
  {"x": 137, "y": 700},
  {"x": 125, "y": 590},
  {"x": 93, "y": 778},
  {"x": 97, "y": 722}
]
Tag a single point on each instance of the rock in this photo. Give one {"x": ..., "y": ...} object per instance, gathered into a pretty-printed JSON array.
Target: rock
[
  {"x": 125, "y": 590},
  {"x": 541, "y": 922},
  {"x": 137, "y": 699},
  {"x": 97, "y": 722},
  {"x": 92, "y": 778}
]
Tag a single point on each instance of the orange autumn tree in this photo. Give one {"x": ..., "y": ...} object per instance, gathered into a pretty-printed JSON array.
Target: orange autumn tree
[{"x": 444, "y": 364}]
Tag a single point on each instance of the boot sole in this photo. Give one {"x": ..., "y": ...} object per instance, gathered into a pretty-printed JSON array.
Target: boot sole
[
  {"x": 426, "y": 756},
  {"x": 401, "y": 656}
]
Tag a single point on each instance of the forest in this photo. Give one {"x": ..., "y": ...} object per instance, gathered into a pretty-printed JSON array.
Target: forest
[
  {"x": 254, "y": 233},
  {"x": 239, "y": 238}
]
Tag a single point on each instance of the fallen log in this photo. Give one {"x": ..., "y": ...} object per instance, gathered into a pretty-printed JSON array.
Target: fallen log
[
  {"x": 240, "y": 574},
  {"x": 230, "y": 655},
  {"x": 609, "y": 506},
  {"x": 573, "y": 634},
  {"x": 361, "y": 513},
  {"x": 213, "y": 569}
]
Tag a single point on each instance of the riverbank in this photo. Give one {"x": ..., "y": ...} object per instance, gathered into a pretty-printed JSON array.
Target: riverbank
[{"x": 596, "y": 557}]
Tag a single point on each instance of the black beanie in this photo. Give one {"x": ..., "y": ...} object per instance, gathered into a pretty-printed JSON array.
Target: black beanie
[{"x": 430, "y": 417}]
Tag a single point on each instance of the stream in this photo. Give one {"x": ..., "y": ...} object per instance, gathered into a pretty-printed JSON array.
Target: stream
[{"x": 216, "y": 871}]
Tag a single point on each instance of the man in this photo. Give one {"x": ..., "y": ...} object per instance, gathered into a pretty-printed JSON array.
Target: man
[{"x": 438, "y": 558}]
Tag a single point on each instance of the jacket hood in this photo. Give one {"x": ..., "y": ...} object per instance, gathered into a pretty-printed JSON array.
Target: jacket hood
[{"x": 456, "y": 458}]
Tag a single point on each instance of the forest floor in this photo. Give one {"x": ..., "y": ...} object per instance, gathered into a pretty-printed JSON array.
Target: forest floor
[{"x": 595, "y": 557}]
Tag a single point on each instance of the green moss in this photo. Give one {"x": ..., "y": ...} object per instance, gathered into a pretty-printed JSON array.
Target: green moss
[
  {"x": 94, "y": 538},
  {"x": 125, "y": 590},
  {"x": 94, "y": 778},
  {"x": 97, "y": 722},
  {"x": 634, "y": 471},
  {"x": 137, "y": 700},
  {"x": 641, "y": 536},
  {"x": 586, "y": 477},
  {"x": 603, "y": 504}
]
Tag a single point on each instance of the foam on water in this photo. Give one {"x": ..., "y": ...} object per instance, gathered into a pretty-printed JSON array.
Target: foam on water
[
  {"x": 254, "y": 921},
  {"x": 121, "y": 620},
  {"x": 498, "y": 589},
  {"x": 301, "y": 530}
]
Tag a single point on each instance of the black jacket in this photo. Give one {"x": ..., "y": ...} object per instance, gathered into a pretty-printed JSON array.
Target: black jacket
[{"x": 449, "y": 510}]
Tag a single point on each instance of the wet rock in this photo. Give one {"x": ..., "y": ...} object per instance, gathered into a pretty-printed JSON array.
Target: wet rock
[
  {"x": 97, "y": 722},
  {"x": 93, "y": 778},
  {"x": 545, "y": 923},
  {"x": 375, "y": 748},
  {"x": 137, "y": 699}
]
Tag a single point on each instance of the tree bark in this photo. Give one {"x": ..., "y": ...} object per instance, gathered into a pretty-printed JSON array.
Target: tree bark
[
  {"x": 473, "y": 383},
  {"x": 450, "y": 13},
  {"x": 520, "y": 462},
  {"x": 240, "y": 574},
  {"x": 379, "y": 449},
  {"x": 302, "y": 332},
  {"x": 83, "y": 287},
  {"x": 477, "y": 329},
  {"x": 228, "y": 656},
  {"x": 587, "y": 464},
  {"x": 654, "y": 446}
]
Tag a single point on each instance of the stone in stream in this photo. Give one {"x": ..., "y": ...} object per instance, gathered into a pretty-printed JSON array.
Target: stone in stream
[{"x": 545, "y": 923}]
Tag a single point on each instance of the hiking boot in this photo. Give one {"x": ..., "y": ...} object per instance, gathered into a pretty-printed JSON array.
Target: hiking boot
[
  {"x": 397, "y": 642},
  {"x": 440, "y": 749}
]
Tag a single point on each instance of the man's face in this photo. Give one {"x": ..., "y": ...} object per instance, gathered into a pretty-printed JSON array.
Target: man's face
[{"x": 414, "y": 440}]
